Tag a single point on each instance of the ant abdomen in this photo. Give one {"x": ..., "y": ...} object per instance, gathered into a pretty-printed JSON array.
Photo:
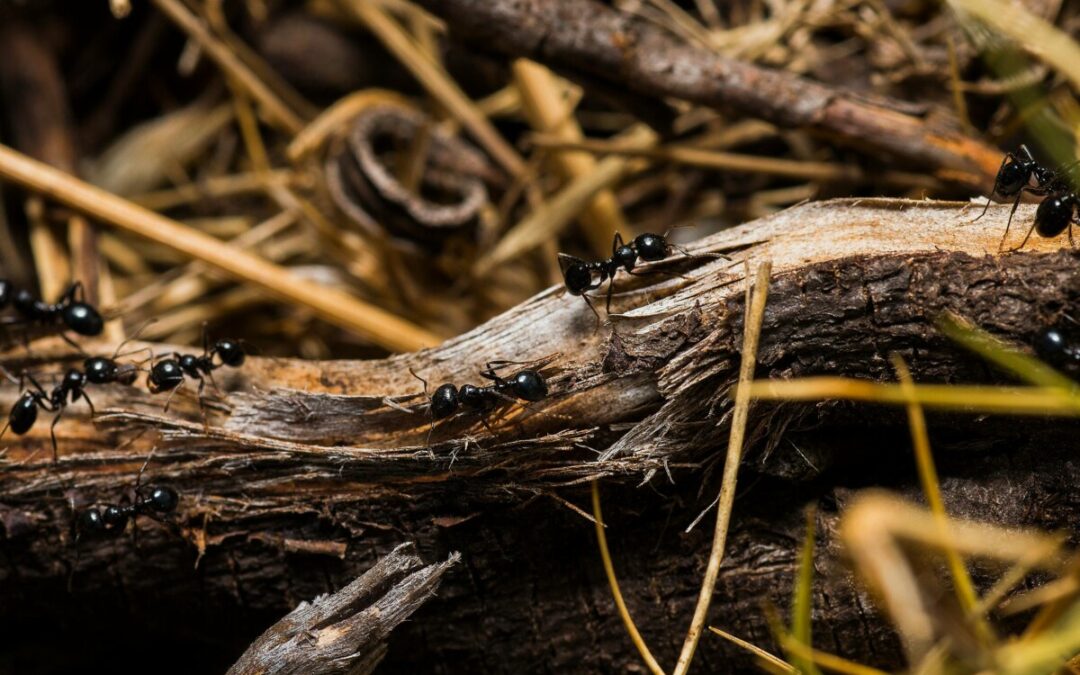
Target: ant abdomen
[
  {"x": 1054, "y": 215},
  {"x": 529, "y": 385},
  {"x": 444, "y": 402}
]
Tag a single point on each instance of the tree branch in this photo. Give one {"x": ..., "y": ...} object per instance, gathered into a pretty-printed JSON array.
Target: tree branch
[
  {"x": 308, "y": 466},
  {"x": 585, "y": 36}
]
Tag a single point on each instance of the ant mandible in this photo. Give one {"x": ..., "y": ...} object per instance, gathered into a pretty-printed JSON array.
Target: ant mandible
[
  {"x": 579, "y": 275},
  {"x": 1054, "y": 214},
  {"x": 525, "y": 385},
  {"x": 169, "y": 373}
]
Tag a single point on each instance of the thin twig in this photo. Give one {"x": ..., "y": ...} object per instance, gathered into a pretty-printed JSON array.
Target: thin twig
[{"x": 755, "y": 304}]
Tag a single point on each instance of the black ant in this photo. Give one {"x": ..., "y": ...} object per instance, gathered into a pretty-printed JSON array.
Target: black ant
[
  {"x": 1055, "y": 213},
  {"x": 154, "y": 501},
  {"x": 72, "y": 387},
  {"x": 70, "y": 311},
  {"x": 169, "y": 373},
  {"x": 581, "y": 276},
  {"x": 526, "y": 385}
]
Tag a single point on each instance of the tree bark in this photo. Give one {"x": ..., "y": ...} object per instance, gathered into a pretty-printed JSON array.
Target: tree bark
[{"x": 308, "y": 472}]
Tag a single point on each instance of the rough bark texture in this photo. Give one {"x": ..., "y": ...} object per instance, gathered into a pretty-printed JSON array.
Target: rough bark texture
[
  {"x": 345, "y": 632},
  {"x": 588, "y": 37},
  {"x": 307, "y": 473}
]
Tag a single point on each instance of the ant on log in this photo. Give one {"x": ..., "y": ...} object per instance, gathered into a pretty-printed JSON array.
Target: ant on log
[
  {"x": 71, "y": 311},
  {"x": 581, "y": 276},
  {"x": 72, "y": 387},
  {"x": 169, "y": 373},
  {"x": 1055, "y": 214},
  {"x": 448, "y": 399},
  {"x": 154, "y": 501}
]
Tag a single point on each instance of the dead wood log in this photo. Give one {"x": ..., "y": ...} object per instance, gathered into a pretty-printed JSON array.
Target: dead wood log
[
  {"x": 627, "y": 51},
  {"x": 307, "y": 472},
  {"x": 346, "y": 632}
]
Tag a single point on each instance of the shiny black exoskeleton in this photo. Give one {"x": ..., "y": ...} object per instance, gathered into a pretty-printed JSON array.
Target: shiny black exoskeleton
[
  {"x": 581, "y": 276},
  {"x": 1020, "y": 173},
  {"x": 155, "y": 501},
  {"x": 70, "y": 311},
  {"x": 1059, "y": 350},
  {"x": 72, "y": 387},
  {"x": 448, "y": 399},
  {"x": 169, "y": 373}
]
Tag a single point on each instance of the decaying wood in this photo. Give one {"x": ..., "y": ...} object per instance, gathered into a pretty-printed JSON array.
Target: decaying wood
[
  {"x": 346, "y": 632},
  {"x": 306, "y": 472},
  {"x": 627, "y": 51}
]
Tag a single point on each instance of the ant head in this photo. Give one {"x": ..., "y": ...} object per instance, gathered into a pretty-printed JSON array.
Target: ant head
[
  {"x": 651, "y": 247},
  {"x": 83, "y": 319},
  {"x": 444, "y": 402},
  {"x": 165, "y": 374},
  {"x": 625, "y": 257},
  {"x": 1053, "y": 215},
  {"x": 471, "y": 395},
  {"x": 162, "y": 499},
  {"x": 100, "y": 370},
  {"x": 231, "y": 352},
  {"x": 578, "y": 277},
  {"x": 529, "y": 385}
]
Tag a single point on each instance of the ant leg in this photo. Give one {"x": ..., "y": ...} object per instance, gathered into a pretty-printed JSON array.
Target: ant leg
[
  {"x": 52, "y": 433},
  {"x": 1028, "y": 236},
  {"x": 589, "y": 303},
  {"x": 199, "y": 396},
  {"x": 419, "y": 378},
  {"x": 1008, "y": 224},
  {"x": 610, "y": 290},
  {"x": 93, "y": 413},
  {"x": 616, "y": 243},
  {"x": 66, "y": 338},
  {"x": 169, "y": 400},
  {"x": 990, "y": 198}
]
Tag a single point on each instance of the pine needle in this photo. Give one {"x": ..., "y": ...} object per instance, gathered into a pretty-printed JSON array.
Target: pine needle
[{"x": 609, "y": 570}]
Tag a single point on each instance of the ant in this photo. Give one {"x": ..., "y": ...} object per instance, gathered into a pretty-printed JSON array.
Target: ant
[
  {"x": 579, "y": 275},
  {"x": 525, "y": 385},
  {"x": 70, "y": 311},
  {"x": 1055, "y": 213},
  {"x": 72, "y": 387},
  {"x": 154, "y": 501},
  {"x": 169, "y": 373}
]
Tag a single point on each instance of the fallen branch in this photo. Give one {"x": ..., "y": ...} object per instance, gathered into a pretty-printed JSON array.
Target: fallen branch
[
  {"x": 585, "y": 36},
  {"x": 346, "y": 632},
  {"x": 308, "y": 464}
]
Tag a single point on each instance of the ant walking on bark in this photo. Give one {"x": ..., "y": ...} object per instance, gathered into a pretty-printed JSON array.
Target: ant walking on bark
[
  {"x": 1055, "y": 214},
  {"x": 72, "y": 387},
  {"x": 169, "y": 373},
  {"x": 581, "y": 276},
  {"x": 524, "y": 385}
]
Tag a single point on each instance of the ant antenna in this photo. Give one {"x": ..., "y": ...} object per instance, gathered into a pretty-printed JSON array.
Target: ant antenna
[{"x": 431, "y": 416}]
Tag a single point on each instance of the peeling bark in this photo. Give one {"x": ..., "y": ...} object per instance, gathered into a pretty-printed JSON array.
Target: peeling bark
[{"x": 305, "y": 474}]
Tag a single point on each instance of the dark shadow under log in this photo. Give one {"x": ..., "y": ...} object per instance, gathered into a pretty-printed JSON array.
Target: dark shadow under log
[{"x": 306, "y": 474}]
